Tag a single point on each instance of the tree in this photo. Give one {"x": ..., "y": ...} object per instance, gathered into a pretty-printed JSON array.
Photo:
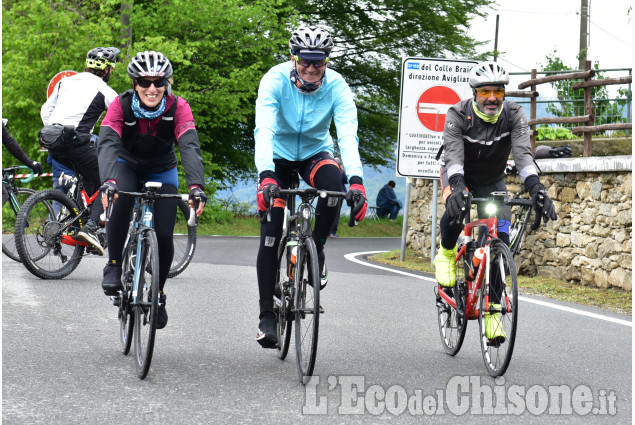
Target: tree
[{"x": 220, "y": 50}]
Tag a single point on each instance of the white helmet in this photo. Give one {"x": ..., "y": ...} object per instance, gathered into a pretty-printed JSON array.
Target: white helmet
[
  {"x": 311, "y": 39},
  {"x": 488, "y": 74},
  {"x": 149, "y": 64}
]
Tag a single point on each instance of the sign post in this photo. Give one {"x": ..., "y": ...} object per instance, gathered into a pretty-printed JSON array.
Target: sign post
[{"x": 428, "y": 88}]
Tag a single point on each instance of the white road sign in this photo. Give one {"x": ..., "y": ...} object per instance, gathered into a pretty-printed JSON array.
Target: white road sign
[{"x": 428, "y": 88}]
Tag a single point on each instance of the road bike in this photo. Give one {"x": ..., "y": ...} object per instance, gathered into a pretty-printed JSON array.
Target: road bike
[
  {"x": 47, "y": 227},
  {"x": 138, "y": 302},
  {"x": 17, "y": 197},
  {"x": 297, "y": 286},
  {"x": 484, "y": 291}
]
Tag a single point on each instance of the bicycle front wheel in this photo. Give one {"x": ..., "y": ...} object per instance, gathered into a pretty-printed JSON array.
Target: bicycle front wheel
[
  {"x": 184, "y": 241},
  {"x": 498, "y": 311},
  {"x": 10, "y": 212},
  {"x": 281, "y": 300},
  {"x": 452, "y": 321},
  {"x": 147, "y": 306},
  {"x": 307, "y": 308},
  {"x": 125, "y": 314},
  {"x": 44, "y": 238}
]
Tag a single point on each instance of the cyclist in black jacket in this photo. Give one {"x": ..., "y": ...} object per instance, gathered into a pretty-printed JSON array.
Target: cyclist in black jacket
[
  {"x": 478, "y": 137},
  {"x": 136, "y": 143},
  {"x": 14, "y": 148}
]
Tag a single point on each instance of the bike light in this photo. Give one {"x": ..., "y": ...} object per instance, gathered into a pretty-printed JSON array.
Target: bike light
[{"x": 491, "y": 209}]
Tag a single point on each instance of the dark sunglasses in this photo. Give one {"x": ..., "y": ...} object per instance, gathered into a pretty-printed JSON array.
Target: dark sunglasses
[
  {"x": 147, "y": 83},
  {"x": 305, "y": 64}
]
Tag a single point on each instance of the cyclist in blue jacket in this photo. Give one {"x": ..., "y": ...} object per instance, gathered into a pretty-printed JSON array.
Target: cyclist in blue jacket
[{"x": 297, "y": 100}]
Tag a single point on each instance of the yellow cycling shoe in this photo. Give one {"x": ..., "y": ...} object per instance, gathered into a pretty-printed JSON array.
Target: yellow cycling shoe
[
  {"x": 444, "y": 267},
  {"x": 493, "y": 326}
]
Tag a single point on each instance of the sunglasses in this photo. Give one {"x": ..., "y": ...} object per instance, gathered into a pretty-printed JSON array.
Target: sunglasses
[
  {"x": 305, "y": 64},
  {"x": 147, "y": 83},
  {"x": 485, "y": 93}
]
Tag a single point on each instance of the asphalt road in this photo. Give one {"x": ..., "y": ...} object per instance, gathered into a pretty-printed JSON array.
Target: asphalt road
[{"x": 379, "y": 359}]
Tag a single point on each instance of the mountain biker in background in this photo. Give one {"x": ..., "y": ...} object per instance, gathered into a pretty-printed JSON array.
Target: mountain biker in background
[
  {"x": 478, "y": 137},
  {"x": 297, "y": 100},
  {"x": 78, "y": 102},
  {"x": 14, "y": 148},
  {"x": 136, "y": 143}
]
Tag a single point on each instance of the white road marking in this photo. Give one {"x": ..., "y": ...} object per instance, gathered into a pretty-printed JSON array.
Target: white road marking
[{"x": 352, "y": 257}]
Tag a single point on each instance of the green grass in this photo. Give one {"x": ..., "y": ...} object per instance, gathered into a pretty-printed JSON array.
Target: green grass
[
  {"x": 250, "y": 226},
  {"x": 609, "y": 299}
]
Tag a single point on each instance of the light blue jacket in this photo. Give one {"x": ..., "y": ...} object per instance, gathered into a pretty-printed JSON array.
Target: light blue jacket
[{"x": 295, "y": 126}]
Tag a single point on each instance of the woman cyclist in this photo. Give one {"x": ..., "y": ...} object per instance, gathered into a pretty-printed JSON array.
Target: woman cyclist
[{"x": 136, "y": 143}]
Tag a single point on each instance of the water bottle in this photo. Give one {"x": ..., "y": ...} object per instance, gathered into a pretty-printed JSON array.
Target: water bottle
[
  {"x": 292, "y": 252},
  {"x": 476, "y": 262}
]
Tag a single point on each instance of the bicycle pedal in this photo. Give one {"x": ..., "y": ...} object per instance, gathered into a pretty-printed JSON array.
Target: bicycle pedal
[{"x": 116, "y": 300}]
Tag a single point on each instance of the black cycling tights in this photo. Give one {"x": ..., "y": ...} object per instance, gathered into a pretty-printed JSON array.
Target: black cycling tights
[
  {"x": 164, "y": 218},
  {"x": 321, "y": 172}
]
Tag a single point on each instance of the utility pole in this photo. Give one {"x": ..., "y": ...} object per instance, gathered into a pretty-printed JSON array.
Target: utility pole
[
  {"x": 496, "y": 40},
  {"x": 584, "y": 32}
]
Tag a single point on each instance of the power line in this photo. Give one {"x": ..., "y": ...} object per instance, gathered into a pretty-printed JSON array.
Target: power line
[{"x": 617, "y": 38}]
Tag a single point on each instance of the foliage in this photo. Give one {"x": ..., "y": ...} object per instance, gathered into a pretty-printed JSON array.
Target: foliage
[
  {"x": 221, "y": 49},
  {"x": 572, "y": 101},
  {"x": 550, "y": 133}
]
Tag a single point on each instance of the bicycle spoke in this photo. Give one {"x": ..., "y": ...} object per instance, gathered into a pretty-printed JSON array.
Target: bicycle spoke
[{"x": 497, "y": 319}]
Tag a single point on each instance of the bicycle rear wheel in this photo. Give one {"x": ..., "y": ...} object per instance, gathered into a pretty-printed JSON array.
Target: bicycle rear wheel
[
  {"x": 44, "y": 240},
  {"x": 184, "y": 240},
  {"x": 497, "y": 324},
  {"x": 10, "y": 212},
  {"x": 452, "y": 321},
  {"x": 307, "y": 308},
  {"x": 281, "y": 300},
  {"x": 146, "y": 309}
]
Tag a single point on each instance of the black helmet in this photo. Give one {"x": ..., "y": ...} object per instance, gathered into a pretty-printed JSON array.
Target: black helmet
[
  {"x": 308, "y": 40},
  {"x": 149, "y": 64},
  {"x": 101, "y": 57}
]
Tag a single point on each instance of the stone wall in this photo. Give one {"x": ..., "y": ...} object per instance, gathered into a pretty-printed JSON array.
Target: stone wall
[{"x": 590, "y": 243}]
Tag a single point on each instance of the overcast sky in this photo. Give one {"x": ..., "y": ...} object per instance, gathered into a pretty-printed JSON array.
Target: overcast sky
[{"x": 529, "y": 31}]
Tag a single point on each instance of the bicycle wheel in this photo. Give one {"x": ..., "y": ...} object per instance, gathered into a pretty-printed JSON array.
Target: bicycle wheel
[
  {"x": 281, "y": 300},
  {"x": 145, "y": 312},
  {"x": 497, "y": 325},
  {"x": 452, "y": 322},
  {"x": 184, "y": 244},
  {"x": 10, "y": 212},
  {"x": 307, "y": 308},
  {"x": 44, "y": 240},
  {"x": 125, "y": 316}
]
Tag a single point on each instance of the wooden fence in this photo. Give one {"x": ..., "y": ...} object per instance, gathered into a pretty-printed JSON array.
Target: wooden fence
[{"x": 588, "y": 118}]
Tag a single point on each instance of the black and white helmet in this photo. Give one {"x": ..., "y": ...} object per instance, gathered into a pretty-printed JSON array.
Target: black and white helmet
[
  {"x": 149, "y": 64},
  {"x": 101, "y": 57},
  {"x": 310, "y": 38},
  {"x": 488, "y": 74}
]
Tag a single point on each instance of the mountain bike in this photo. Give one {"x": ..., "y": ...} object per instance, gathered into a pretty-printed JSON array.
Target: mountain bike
[
  {"x": 485, "y": 291},
  {"x": 297, "y": 286},
  {"x": 138, "y": 302},
  {"x": 17, "y": 197},
  {"x": 47, "y": 226},
  {"x": 46, "y": 229}
]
